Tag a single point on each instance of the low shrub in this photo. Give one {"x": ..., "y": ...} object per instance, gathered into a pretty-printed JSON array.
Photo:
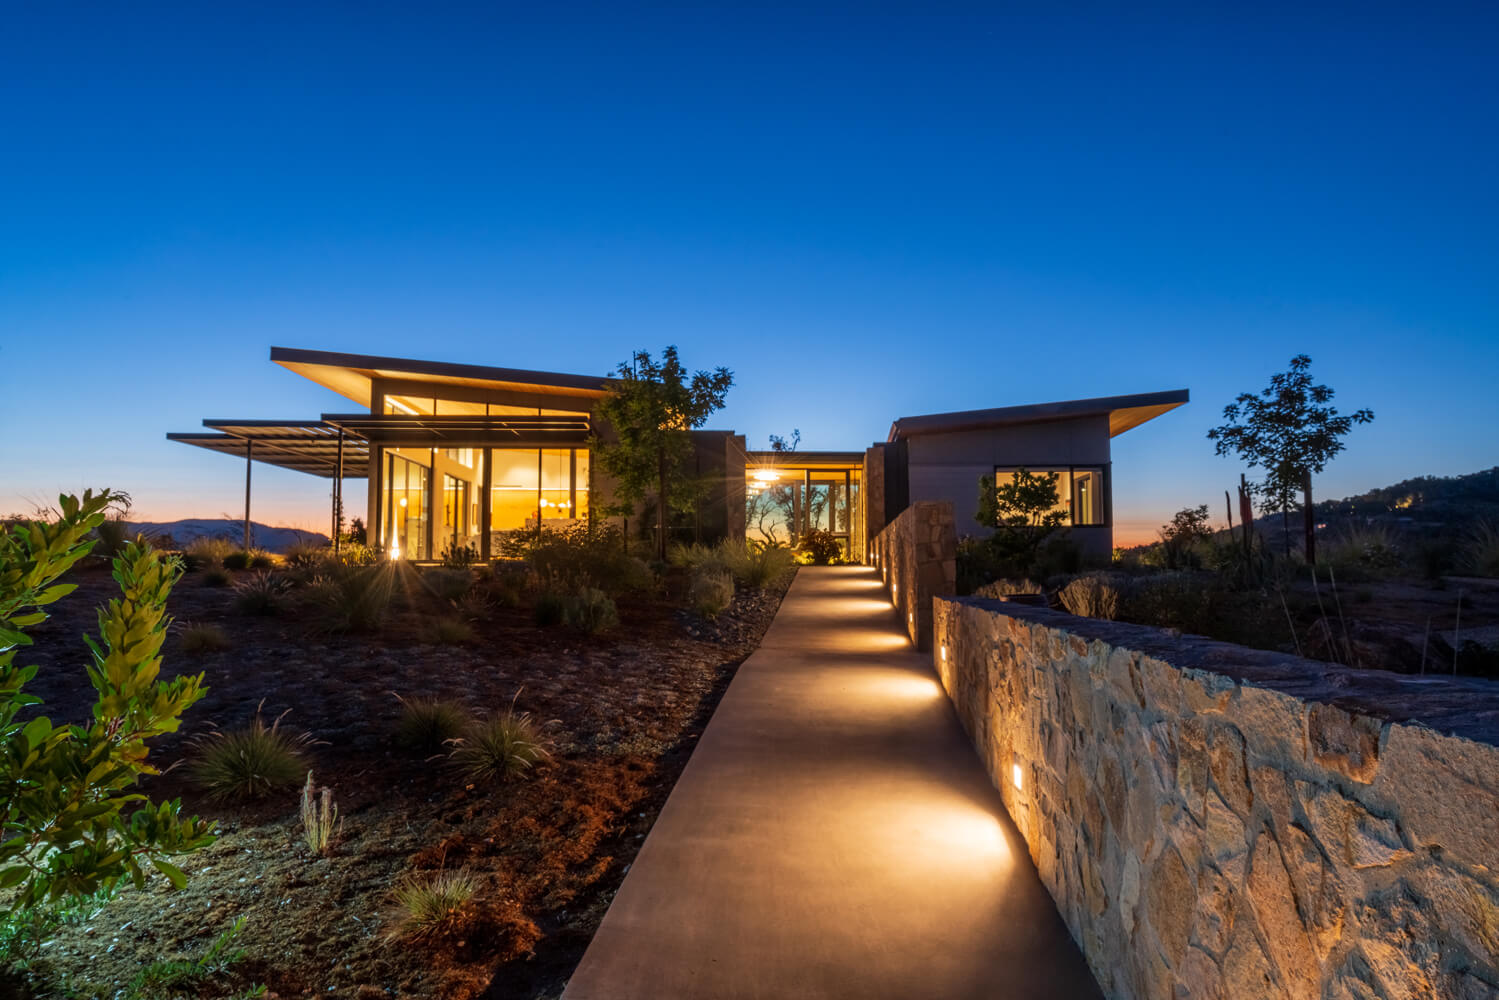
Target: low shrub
[
  {"x": 820, "y": 547},
  {"x": 1094, "y": 595},
  {"x": 710, "y": 591},
  {"x": 1359, "y": 551},
  {"x": 429, "y": 723},
  {"x": 248, "y": 763},
  {"x": 448, "y": 584},
  {"x": 1184, "y": 601},
  {"x": 351, "y": 553},
  {"x": 261, "y": 594},
  {"x": 1006, "y": 587},
  {"x": 352, "y": 598},
  {"x": 204, "y": 637},
  {"x": 550, "y": 609},
  {"x": 237, "y": 559},
  {"x": 576, "y": 556},
  {"x": 449, "y": 632},
  {"x": 1480, "y": 551},
  {"x": 306, "y": 555},
  {"x": 458, "y": 555},
  {"x": 208, "y": 552},
  {"x": 427, "y": 904},
  {"x": 216, "y": 578},
  {"x": 319, "y": 817},
  {"x": 590, "y": 610},
  {"x": 499, "y": 747}
]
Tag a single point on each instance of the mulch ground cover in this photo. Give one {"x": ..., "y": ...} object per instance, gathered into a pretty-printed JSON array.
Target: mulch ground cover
[{"x": 620, "y": 713}]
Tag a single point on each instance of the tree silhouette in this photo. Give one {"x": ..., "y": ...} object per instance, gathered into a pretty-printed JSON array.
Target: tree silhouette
[{"x": 1289, "y": 431}]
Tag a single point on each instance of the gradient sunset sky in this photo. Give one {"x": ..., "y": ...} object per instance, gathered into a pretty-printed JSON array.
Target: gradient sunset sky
[{"x": 865, "y": 212}]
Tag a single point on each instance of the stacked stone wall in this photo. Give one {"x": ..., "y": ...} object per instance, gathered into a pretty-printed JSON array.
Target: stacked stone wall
[
  {"x": 1208, "y": 833},
  {"x": 917, "y": 556}
]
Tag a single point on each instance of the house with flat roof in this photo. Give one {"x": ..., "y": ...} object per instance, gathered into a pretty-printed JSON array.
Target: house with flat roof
[{"x": 457, "y": 455}]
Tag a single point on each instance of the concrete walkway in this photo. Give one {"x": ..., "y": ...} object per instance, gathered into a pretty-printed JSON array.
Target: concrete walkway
[{"x": 833, "y": 835}]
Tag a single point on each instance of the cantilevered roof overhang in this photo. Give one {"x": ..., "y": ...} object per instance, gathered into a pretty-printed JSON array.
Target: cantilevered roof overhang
[
  {"x": 806, "y": 459},
  {"x": 1124, "y": 413},
  {"x": 353, "y": 375},
  {"x": 313, "y": 446}
]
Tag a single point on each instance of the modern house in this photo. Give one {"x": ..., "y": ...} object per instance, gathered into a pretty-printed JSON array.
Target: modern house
[{"x": 458, "y": 454}]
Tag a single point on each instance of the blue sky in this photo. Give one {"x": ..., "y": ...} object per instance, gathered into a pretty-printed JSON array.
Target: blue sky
[{"x": 865, "y": 214}]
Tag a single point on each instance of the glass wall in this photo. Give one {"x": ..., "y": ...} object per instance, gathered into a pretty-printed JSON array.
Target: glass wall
[
  {"x": 405, "y": 507},
  {"x": 783, "y": 502},
  {"x": 1079, "y": 490},
  {"x": 530, "y": 483}
]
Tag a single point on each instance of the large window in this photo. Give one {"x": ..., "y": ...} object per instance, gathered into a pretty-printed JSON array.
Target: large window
[
  {"x": 1080, "y": 490},
  {"x": 528, "y": 483},
  {"x": 781, "y": 503}
]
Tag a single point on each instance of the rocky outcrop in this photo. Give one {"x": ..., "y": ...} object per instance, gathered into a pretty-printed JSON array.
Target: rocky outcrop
[{"x": 1234, "y": 831}]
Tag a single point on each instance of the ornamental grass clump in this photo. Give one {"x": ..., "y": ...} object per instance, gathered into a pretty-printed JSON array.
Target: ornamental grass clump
[
  {"x": 352, "y": 598},
  {"x": 449, "y": 632},
  {"x": 710, "y": 591},
  {"x": 761, "y": 566},
  {"x": 428, "y": 903},
  {"x": 499, "y": 747},
  {"x": 207, "y": 552},
  {"x": 429, "y": 723},
  {"x": 204, "y": 637},
  {"x": 262, "y": 593},
  {"x": 320, "y": 822},
  {"x": 249, "y": 763}
]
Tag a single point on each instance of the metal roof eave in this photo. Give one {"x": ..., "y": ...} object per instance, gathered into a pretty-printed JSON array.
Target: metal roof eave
[{"x": 1124, "y": 412}]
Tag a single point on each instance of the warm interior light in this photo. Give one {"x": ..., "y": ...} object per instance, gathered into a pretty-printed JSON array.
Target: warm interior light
[
  {"x": 1015, "y": 775},
  {"x": 767, "y": 475},
  {"x": 401, "y": 406}
]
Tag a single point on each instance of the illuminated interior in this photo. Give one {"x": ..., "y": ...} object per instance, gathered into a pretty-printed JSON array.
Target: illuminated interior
[
  {"x": 782, "y": 502},
  {"x": 406, "y": 506},
  {"x": 1080, "y": 490}
]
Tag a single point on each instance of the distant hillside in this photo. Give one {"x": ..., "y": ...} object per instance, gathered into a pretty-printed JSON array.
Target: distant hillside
[
  {"x": 1445, "y": 499},
  {"x": 261, "y": 535}
]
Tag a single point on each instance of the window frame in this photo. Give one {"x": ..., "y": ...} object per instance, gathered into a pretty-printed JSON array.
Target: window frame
[{"x": 1105, "y": 474}]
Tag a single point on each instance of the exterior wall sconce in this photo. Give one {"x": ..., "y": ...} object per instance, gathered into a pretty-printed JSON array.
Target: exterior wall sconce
[{"x": 944, "y": 652}]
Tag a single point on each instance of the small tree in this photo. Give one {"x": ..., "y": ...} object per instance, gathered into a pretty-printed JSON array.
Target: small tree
[
  {"x": 653, "y": 408},
  {"x": 1290, "y": 432},
  {"x": 65, "y": 790},
  {"x": 1179, "y": 539},
  {"x": 1023, "y": 512}
]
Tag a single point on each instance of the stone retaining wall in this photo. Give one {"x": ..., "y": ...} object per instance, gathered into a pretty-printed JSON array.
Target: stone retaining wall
[
  {"x": 1207, "y": 834},
  {"x": 917, "y": 556}
]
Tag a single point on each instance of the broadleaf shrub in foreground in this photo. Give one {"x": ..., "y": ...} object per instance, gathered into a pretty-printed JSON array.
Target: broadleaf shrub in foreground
[{"x": 74, "y": 823}]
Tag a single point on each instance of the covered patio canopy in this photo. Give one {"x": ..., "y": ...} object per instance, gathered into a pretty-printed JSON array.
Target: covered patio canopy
[{"x": 339, "y": 446}]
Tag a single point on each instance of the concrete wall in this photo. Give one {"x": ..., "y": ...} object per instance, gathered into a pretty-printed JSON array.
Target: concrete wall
[
  {"x": 948, "y": 466},
  {"x": 1212, "y": 826},
  {"x": 917, "y": 556}
]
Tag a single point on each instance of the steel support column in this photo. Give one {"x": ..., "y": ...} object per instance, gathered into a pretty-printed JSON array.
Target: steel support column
[{"x": 249, "y": 462}]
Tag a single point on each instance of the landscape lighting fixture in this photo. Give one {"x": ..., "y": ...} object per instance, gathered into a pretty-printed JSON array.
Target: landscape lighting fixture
[
  {"x": 767, "y": 476},
  {"x": 1015, "y": 774},
  {"x": 944, "y": 652}
]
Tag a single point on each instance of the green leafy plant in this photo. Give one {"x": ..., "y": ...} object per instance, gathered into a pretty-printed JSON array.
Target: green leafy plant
[
  {"x": 201, "y": 638},
  {"x": 260, "y": 593},
  {"x": 1290, "y": 432},
  {"x": 248, "y": 763},
  {"x": 710, "y": 591},
  {"x": 319, "y": 815},
  {"x": 74, "y": 821},
  {"x": 429, "y": 723},
  {"x": 652, "y": 407},
  {"x": 498, "y": 747},
  {"x": 167, "y": 978},
  {"x": 590, "y": 610},
  {"x": 428, "y": 903},
  {"x": 819, "y": 546}
]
